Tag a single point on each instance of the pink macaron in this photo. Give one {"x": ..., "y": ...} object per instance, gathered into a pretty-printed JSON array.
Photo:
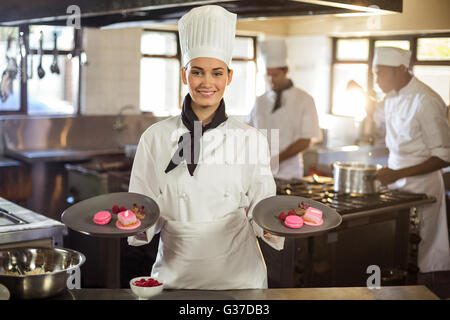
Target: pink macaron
[
  {"x": 293, "y": 221},
  {"x": 102, "y": 217}
]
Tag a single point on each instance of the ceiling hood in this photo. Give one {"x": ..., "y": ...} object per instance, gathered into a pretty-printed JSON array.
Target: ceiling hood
[{"x": 99, "y": 13}]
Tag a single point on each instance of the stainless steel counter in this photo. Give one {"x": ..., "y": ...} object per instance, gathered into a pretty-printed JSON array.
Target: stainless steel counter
[
  {"x": 55, "y": 155},
  {"x": 352, "y": 293},
  {"x": 37, "y": 226},
  {"x": 8, "y": 162}
]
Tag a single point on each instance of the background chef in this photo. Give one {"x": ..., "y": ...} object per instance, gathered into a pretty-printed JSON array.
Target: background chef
[
  {"x": 418, "y": 138},
  {"x": 208, "y": 237},
  {"x": 290, "y": 110}
]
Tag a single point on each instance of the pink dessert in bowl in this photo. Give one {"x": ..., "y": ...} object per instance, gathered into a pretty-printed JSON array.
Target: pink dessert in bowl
[
  {"x": 102, "y": 217},
  {"x": 127, "y": 220}
]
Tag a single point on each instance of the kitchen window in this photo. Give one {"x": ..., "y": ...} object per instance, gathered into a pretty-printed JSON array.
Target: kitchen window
[
  {"x": 352, "y": 60},
  {"x": 57, "y": 91},
  {"x": 160, "y": 73},
  {"x": 47, "y": 79}
]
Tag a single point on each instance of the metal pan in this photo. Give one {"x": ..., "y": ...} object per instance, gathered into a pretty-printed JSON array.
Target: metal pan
[
  {"x": 266, "y": 216},
  {"x": 79, "y": 216}
]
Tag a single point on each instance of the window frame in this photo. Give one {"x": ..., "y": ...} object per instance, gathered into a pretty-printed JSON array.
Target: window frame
[
  {"x": 413, "y": 41},
  {"x": 178, "y": 56}
]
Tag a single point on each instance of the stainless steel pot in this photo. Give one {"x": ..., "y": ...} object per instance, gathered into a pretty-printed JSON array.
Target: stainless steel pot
[
  {"x": 55, "y": 262},
  {"x": 356, "y": 177}
]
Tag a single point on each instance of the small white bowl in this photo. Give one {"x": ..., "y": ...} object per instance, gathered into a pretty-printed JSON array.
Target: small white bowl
[{"x": 145, "y": 293}]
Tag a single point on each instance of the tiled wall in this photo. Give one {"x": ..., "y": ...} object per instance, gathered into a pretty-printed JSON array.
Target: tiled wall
[{"x": 111, "y": 78}]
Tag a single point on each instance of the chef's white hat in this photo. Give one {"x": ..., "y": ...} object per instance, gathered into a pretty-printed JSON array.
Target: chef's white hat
[
  {"x": 274, "y": 53},
  {"x": 390, "y": 56},
  {"x": 207, "y": 31}
]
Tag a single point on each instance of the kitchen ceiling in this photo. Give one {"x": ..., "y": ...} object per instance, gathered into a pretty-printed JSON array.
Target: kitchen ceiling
[{"x": 99, "y": 13}]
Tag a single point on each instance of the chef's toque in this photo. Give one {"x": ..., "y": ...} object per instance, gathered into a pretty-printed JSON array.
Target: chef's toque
[
  {"x": 274, "y": 53},
  {"x": 390, "y": 56},
  {"x": 207, "y": 31}
]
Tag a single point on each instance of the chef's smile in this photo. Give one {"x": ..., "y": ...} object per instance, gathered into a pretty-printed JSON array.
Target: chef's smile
[{"x": 206, "y": 94}]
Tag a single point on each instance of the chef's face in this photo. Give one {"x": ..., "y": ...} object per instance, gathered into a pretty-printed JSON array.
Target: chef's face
[
  {"x": 387, "y": 77},
  {"x": 277, "y": 77},
  {"x": 207, "y": 79}
]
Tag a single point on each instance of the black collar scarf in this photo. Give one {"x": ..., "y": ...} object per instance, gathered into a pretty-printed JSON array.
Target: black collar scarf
[
  {"x": 189, "y": 143},
  {"x": 278, "y": 98}
]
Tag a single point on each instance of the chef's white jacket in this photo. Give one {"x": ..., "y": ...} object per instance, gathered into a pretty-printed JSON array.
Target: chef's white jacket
[
  {"x": 295, "y": 119},
  {"x": 417, "y": 129},
  {"x": 208, "y": 235}
]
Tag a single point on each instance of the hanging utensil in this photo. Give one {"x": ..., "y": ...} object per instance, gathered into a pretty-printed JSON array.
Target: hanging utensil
[
  {"x": 30, "y": 69},
  {"x": 54, "y": 67},
  {"x": 9, "y": 74},
  {"x": 40, "y": 70},
  {"x": 23, "y": 57}
]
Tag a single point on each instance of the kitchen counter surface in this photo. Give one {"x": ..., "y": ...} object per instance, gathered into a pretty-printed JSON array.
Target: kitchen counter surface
[
  {"x": 30, "y": 156},
  {"x": 348, "y": 293},
  {"x": 37, "y": 226},
  {"x": 8, "y": 162}
]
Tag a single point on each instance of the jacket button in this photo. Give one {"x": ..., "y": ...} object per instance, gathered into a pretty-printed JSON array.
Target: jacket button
[{"x": 227, "y": 194}]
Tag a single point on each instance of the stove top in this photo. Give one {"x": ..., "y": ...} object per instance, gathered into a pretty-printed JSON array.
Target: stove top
[{"x": 345, "y": 203}]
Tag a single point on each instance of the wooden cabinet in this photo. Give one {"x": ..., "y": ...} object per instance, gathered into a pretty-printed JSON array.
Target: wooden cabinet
[{"x": 15, "y": 180}]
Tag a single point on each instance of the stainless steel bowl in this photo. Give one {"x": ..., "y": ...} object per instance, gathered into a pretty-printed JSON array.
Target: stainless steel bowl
[{"x": 55, "y": 262}]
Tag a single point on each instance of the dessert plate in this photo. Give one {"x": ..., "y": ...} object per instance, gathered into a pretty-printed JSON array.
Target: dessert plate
[
  {"x": 266, "y": 214},
  {"x": 79, "y": 216}
]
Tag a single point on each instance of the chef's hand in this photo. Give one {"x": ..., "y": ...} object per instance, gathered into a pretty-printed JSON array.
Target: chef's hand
[
  {"x": 387, "y": 176},
  {"x": 141, "y": 236},
  {"x": 270, "y": 236},
  {"x": 274, "y": 241}
]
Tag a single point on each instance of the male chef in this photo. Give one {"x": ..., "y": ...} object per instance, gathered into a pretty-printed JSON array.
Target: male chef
[
  {"x": 285, "y": 108},
  {"x": 418, "y": 138}
]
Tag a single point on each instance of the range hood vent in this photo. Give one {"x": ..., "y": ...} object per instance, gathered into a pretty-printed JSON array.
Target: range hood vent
[{"x": 100, "y": 13}]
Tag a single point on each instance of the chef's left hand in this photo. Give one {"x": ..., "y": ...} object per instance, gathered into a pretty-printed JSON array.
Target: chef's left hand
[
  {"x": 269, "y": 236},
  {"x": 387, "y": 176}
]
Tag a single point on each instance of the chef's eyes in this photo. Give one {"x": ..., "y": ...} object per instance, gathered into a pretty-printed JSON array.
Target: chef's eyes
[{"x": 200, "y": 73}]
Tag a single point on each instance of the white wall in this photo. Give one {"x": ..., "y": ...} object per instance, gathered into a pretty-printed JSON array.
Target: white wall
[
  {"x": 111, "y": 78},
  {"x": 309, "y": 65}
]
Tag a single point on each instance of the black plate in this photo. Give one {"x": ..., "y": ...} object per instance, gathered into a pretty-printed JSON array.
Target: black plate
[
  {"x": 79, "y": 216},
  {"x": 266, "y": 216}
]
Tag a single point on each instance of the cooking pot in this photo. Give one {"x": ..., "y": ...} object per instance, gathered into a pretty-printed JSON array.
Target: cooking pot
[
  {"x": 36, "y": 273},
  {"x": 356, "y": 177}
]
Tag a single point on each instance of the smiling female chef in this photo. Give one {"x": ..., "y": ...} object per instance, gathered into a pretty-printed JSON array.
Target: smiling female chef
[{"x": 208, "y": 238}]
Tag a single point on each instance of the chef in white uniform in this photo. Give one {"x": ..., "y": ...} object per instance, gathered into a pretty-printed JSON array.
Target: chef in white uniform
[
  {"x": 285, "y": 108},
  {"x": 208, "y": 235},
  {"x": 418, "y": 138}
]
